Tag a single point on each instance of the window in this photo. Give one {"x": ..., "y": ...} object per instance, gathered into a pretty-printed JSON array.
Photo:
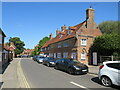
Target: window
[
  {"x": 50, "y": 54},
  {"x": 73, "y": 55},
  {"x": 59, "y": 45},
  {"x": 58, "y": 55},
  {"x": 65, "y": 55},
  {"x": 60, "y": 35},
  {"x": 66, "y": 44},
  {"x": 48, "y": 48},
  {"x": 45, "y": 49},
  {"x": 69, "y": 32},
  {"x": 51, "y": 46},
  {"x": 83, "y": 42},
  {"x": 114, "y": 65},
  {"x": 54, "y": 55},
  {"x": 83, "y": 56}
]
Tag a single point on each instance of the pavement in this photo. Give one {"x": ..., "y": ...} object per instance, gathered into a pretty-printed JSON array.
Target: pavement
[
  {"x": 13, "y": 75},
  {"x": 93, "y": 69}
]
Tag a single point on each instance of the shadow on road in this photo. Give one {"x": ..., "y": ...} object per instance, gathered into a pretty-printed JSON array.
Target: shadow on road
[
  {"x": 1, "y": 84},
  {"x": 96, "y": 80},
  {"x": 2, "y": 70}
]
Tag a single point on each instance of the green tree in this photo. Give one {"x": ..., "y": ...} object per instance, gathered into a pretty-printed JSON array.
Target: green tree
[
  {"x": 107, "y": 44},
  {"x": 108, "y": 27},
  {"x": 37, "y": 49},
  {"x": 19, "y": 45}
]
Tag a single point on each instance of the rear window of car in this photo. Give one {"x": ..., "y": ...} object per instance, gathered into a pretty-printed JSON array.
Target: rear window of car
[{"x": 114, "y": 65}]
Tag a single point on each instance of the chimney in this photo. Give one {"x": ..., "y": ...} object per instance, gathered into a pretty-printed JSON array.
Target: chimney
[
  {"x": 57, "y": 32},
  {"x": 90, "y": 13},
  {"x": 89, "y": 17},
  {"x": 51, "y": 36},
  {"x": 63, "y": 28}
]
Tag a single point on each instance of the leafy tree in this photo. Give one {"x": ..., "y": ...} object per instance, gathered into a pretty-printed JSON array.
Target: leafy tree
[
  {"x": 19, "y": 45},
  {"x": 37, "y": 49},
  {"x": 107, "y": 44},
  {"x": 108, "y": 27}
]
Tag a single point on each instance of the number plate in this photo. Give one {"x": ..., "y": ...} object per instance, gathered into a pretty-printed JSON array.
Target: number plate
[{"x": 84, "y": 70}]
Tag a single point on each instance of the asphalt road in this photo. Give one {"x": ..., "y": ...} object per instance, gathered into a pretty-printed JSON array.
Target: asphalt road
[{"x": 40, "y": 76}]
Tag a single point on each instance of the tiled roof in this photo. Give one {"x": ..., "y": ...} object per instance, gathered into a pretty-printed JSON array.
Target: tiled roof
[
  {"x": 11, "y": 47},
  {"x": 27, "y": 51},
  {"x": 6, "y": 47},
  {"x": 64, "y": 35}
]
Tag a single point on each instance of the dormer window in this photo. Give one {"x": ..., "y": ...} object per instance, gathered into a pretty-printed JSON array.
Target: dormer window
[
  {"x": 60, "y": 35},
  {"x": 69, "y": 32}
]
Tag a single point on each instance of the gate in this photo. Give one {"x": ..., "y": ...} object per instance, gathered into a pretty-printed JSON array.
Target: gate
[{"x": 108, "y": 58}]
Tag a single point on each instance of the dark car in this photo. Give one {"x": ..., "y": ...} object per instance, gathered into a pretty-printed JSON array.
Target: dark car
[
  {"x": 49, "y": 61},
  {"x": 35, "y": 58},
  {"x": 71, "y": 66}
]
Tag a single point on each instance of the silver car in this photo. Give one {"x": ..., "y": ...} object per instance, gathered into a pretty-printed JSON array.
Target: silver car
[{"x": 109, "y": 73}]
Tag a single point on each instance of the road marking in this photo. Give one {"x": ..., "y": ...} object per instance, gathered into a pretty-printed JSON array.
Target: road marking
[
  {"x": 23, "y": 76},
  {"x": 79, "y": 85}
]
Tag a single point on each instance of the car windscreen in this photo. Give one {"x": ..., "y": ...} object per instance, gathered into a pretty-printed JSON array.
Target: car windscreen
[{"x": 75, "y": 62}]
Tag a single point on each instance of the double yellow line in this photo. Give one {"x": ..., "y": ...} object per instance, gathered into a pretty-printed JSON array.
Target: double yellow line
[{"x": 21, "y": 74}]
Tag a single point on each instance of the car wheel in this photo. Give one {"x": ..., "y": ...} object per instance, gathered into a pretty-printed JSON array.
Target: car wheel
[
  {"x": 106, "y": 81},
  {"x": 56, "y": 67},
  {"x": 70, "y": 71},
  {"x": 48, "y": 64}
]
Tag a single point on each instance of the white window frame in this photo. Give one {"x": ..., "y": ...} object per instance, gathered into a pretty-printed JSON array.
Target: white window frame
[
  {"x": 83, "y": 42},
  {"x": 58, "y": 55},
  {"x": 60, "y": 35},
  {"x": 73, "y": 55},
  {"x": 69, "y": 32},
  {"x": 50, "y": 54},
  {"x": 65, "y": 55},
  {"x": 83, "y": 56},
  {"x": 45, "y": 48},
  {"x": 54, "y": 55}
]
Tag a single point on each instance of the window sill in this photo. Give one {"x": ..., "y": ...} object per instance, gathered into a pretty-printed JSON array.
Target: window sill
[
  {"x": 83, "y": 59},
  {"x": 83, "y": 45}
]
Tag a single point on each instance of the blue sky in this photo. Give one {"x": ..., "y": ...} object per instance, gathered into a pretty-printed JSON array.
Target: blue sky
[{"x": 31, "y": 21}]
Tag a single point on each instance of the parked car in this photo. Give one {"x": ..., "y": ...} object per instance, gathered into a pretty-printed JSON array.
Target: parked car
[
  {"x": 71, "y": 66},
  {"x": 49, "y": 61},
  {"x": 109, "y": 73},
  {"x": 34, "y": 58},
  {"x": 39, "y": 59}
]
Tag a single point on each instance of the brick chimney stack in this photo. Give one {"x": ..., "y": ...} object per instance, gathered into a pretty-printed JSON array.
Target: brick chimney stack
[
  {"x": 57, "y": 32},
  {"x": 63, "y": 28},
  {"x": 89, "y": 18},
  {"x": 51, "y": 36},
  {"x": 90, "y": 13}
]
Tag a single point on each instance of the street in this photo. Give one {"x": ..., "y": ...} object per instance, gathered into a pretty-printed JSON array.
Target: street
[{"x": 40, "y": 76}]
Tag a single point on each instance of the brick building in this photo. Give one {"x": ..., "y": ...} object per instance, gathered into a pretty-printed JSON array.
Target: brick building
[
  {"x": 27, "y": 52},
  {"x": 74, "y": 41}
]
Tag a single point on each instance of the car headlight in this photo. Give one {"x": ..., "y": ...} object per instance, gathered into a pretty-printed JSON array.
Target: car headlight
[
  {"x": 52, "y": 62},
  {"x": 77, "y": 68}
]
